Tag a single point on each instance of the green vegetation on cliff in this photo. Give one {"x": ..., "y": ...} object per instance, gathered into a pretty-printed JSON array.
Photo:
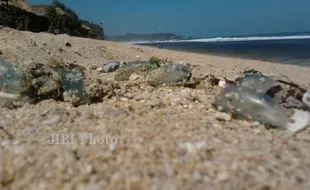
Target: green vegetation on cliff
[
  {"x": 56, "y": 18},
  {"x": 96, "y": 30},
  {"x": 68, "y": 22}
]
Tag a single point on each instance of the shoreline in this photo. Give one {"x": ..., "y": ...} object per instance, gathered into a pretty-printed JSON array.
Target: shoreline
[
  {"x": 236, "y": 57},
  {"x": 296, "y": 57}
]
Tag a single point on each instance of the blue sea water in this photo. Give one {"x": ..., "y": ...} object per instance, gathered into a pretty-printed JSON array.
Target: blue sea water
[{"x": 289, "y": 48}]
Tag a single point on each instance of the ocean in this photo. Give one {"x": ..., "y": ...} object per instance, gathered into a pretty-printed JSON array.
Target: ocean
[{"x": 288, "y": 48}]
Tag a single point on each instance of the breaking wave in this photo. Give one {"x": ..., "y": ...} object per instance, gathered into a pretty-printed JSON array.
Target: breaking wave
[{"x": 228, "y": 39}]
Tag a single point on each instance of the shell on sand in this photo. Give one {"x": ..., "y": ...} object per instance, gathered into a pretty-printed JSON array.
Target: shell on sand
[{"x": 298, "y": 121}]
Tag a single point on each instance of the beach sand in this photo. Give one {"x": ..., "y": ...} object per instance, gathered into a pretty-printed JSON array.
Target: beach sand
[{"x": 168, "y": 137}]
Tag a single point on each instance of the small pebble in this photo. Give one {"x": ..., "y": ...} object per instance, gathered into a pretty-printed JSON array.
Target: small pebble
[
  {"x": 222, "y": 176},
  {"x": 99, "y": 69},
  {"x": 222, "y": 83},
  {"x": 124, "y": 99},
  {"x": 255, "y": 123},
  {"x": 228, "y": 95},
  {"x": 134, "y": 77},
  {"x": 112, "y": 147},
  {"x": 89, "y": 168},
  {"x": 221, "y": 116},
  {"x": 220, "y": 108},
  {"x": 52, "y": 120},
  {"x": 93, "y": 67},
  {"x": 257, "y": 131},
  {"x": 68, "y": 44}
]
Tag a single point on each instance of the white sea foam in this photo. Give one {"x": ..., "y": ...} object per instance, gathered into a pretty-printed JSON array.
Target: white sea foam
[{"x": 228, "y": 39}]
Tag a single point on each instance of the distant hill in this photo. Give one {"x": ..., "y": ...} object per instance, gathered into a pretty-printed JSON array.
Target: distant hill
[
  {"x": 54, "y": 18},
  {"x": 144, "y": 37}
]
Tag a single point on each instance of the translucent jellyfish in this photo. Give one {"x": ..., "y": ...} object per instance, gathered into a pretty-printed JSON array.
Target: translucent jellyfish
[
  {"x": 168, "y": 74},
  {"x": 4, "y": 67},
  {"x": 74, "y": 82},
  {"x": 257, "y": 81},
  {"x": 10, "y": 79},
  {"x": 114, "y": 66},
  {"x": 111, "y": 67},
  {"x": 140, "y": 68},
  {"x": 245, "y": 103}
]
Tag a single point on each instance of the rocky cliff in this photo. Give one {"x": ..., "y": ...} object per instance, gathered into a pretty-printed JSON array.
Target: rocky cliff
[{"x": 19, "y": 14}]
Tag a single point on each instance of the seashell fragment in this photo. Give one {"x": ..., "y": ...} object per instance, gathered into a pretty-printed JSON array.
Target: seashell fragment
[
  {"x": 9, "y": 96},
  {"x": 222, "y": 83},
  {"x": 298, "y": 121},
  {"x": 306, "y": 98}
]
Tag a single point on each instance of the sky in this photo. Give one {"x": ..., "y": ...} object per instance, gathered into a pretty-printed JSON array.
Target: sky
[{"x": 197, "y": 18}]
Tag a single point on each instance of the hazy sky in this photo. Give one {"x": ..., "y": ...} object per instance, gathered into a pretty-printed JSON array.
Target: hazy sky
[{"x": 199, "y": 18}]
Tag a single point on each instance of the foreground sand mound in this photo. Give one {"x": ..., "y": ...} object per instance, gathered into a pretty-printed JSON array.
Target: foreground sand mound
[{"x": 142, "y": 136}]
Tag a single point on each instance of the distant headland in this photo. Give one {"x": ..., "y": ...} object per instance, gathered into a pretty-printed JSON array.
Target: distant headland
[{"x": 132, "y": 37}]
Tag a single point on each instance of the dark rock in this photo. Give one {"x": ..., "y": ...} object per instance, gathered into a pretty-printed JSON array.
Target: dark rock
[
  {"x": 18, "y": 18},
  {"x": 68, "y": 44}
]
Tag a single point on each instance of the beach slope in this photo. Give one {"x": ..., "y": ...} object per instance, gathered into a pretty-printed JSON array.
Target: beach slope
[{"x": 168, "y": 137}]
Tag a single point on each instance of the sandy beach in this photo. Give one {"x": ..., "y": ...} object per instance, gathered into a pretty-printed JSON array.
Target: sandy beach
[{"x": 143, "y": 137}]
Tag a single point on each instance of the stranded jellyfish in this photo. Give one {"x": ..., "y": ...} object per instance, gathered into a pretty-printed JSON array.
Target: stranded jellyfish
[
  {"x": 257, "y": 82},
  {"x": 246, "y": 103}
]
